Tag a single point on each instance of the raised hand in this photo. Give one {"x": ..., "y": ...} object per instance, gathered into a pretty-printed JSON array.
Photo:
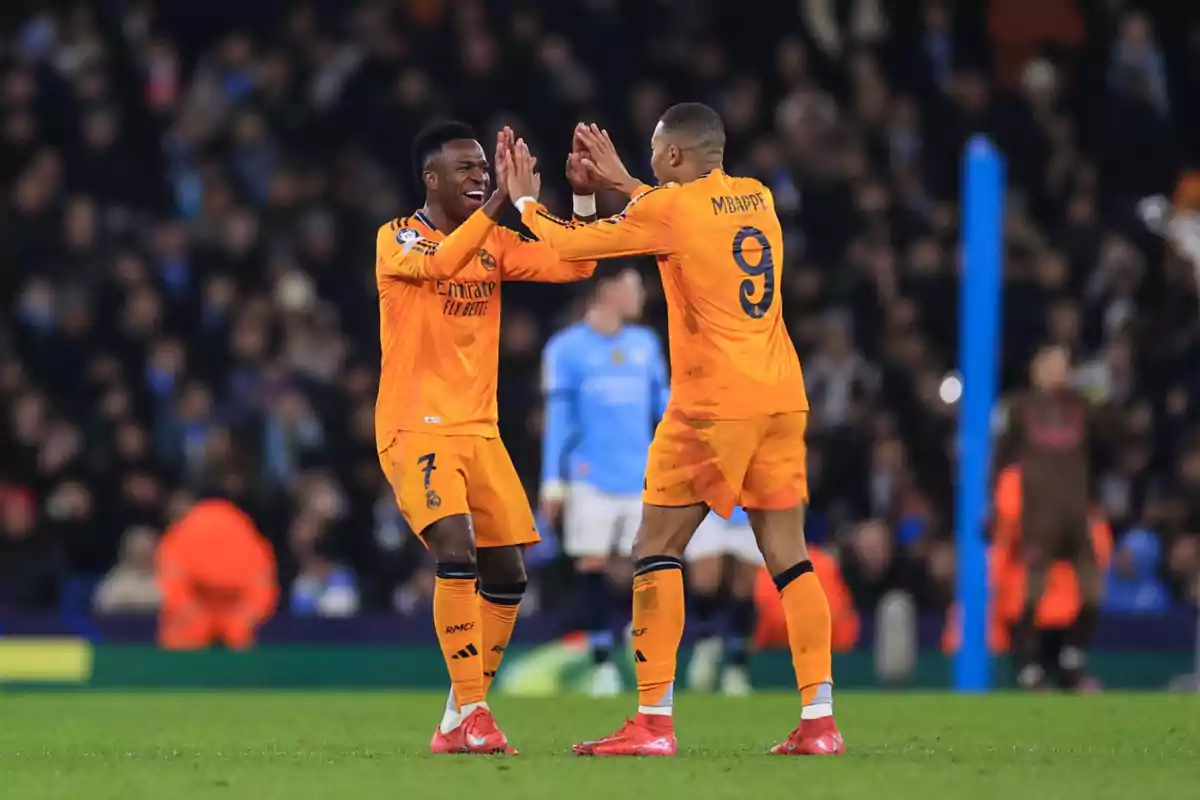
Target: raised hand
[
  {"x": 500, "y": 196},
  {"x": 504, "y": 146},
  {"x": 602, "y": 161},
  {"x": 522, "y": 179},
  {"x": 578, "y": 176}
]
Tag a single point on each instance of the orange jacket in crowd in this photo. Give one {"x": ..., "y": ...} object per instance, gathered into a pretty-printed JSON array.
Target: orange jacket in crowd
[
  {"x": 1018, "y": 28},
  {"x": 771, "y": 630},
  {"x": 1006, "y": 573},
  {"x": 1187, "y": 191},
  {"x": 216, "y": 573}
]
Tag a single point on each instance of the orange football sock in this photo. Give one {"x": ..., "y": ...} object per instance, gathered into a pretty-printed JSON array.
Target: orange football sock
[
  {"x": 658, "y": 615},
  {"x": 459, "y": 626},
  {"x": 498, "y": 605},
  {"x": 809, "y": 633}
]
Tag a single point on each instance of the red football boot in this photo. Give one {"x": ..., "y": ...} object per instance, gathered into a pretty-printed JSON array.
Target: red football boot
[
  {"x": 646, "y": 735},
  {"x": 476, "y": 734},
  {"x": 481, "y": 733},
  {"x": 444, "y": 744},
  {"x": 812, "y": 737}
]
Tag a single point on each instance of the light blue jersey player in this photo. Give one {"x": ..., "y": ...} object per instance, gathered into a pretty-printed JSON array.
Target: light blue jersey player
[
  {"x": 723, "y": 562},
  {"x": 606, "y": 387}
]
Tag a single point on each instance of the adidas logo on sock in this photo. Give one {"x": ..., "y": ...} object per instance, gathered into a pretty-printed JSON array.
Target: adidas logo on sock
[{"x": 466, "y": 652}]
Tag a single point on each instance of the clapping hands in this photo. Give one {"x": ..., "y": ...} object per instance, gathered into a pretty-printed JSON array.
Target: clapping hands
[
  {"x": 592, "y": 164},
  {"x": 599, "y": 157},
  {"x": 516, "y": 172}
]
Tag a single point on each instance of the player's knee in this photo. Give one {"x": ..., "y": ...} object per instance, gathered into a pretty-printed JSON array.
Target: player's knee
[
  {"x": 780, "y": 537},
  {"x": 501, "y": 565},
  {"x": 451, "y": 540},
  {"x": 647, "y": 544},
  {"x": 666, "y": 531}
]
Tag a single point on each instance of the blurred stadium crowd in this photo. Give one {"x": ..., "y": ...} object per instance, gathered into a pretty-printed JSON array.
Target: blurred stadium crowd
[{"x": 191, "y": 196}]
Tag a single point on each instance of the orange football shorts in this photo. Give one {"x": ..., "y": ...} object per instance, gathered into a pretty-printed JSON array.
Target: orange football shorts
[
  {"x": 757, "y": 463},
  {"x": 435, "y": 477}
]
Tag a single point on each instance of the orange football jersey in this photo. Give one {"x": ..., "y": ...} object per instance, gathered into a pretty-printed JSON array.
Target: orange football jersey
[
  {"x": 439, "y": 320},
  {"x": 720, "y": 252}
]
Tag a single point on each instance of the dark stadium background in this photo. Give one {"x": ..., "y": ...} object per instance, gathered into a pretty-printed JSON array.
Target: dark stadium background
[{"x": 191, "y": 192}]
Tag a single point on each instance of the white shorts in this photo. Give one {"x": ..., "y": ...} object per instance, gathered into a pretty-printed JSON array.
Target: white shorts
[
  {"x": 716, "y": 537},
  {"x": 599, "y": 524}
]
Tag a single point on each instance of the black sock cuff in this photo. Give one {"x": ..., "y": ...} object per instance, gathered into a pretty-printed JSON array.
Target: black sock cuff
[
  {"x": 644, "y": 566},
  {"x": 503, "y": 594},
  {"x": 791, "y": 573},
  {"x": 457, "y": 571}
]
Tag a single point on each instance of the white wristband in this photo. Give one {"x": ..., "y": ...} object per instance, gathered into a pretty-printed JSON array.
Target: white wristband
[
  {"x": 584, "y": 205},
  {"x": 521, "y": 202},
  {"x": 554, "y": 490}
]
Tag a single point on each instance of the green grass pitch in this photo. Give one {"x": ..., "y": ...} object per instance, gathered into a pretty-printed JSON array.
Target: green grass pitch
[{"x": 362, "y": 746}]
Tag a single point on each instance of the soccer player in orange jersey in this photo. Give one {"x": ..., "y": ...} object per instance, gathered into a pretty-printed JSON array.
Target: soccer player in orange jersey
[
  {"x": 439, "y": 273},
  {"x": 733, "y": 433}
]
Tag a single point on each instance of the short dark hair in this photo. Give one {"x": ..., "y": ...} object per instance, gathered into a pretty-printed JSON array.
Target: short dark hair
[
  {"x": 433, "y": 137},
  {"x": 698, "y": 122},
  {"x": 609, "y": 272}
]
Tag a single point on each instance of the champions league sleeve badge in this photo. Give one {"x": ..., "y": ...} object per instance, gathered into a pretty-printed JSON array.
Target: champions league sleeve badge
[{"x": 407, "y": 237}]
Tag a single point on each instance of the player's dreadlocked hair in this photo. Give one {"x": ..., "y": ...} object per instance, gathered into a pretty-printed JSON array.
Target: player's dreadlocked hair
[
  {"x": 433, "y": 137},
  {"x": 698, "y": 123}
]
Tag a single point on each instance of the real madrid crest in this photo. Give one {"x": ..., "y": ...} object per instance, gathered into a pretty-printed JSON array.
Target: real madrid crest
[{"x": 487, "y": 259}]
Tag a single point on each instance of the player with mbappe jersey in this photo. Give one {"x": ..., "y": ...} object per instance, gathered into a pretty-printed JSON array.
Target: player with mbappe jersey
[
  {"x": 734, "y": 429},
  {"x": 439, "y": 273},
  {"x": 605, "y": 382}
]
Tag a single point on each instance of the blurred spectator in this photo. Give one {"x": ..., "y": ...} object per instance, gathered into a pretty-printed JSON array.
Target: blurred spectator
[
  {"x": 217, "y": 577},
  {"x": 1133, "y": 583},
  {"x": 872, "y": 566},
  {"x": 291, "y": 431},
  {"x": 323, "y": 588},
  {"x": 130, "y": 586},
  {"x": 1136, "y": 59},
  {"x": 837, "y": 374},
  {"x": 28, "y": 568}
]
